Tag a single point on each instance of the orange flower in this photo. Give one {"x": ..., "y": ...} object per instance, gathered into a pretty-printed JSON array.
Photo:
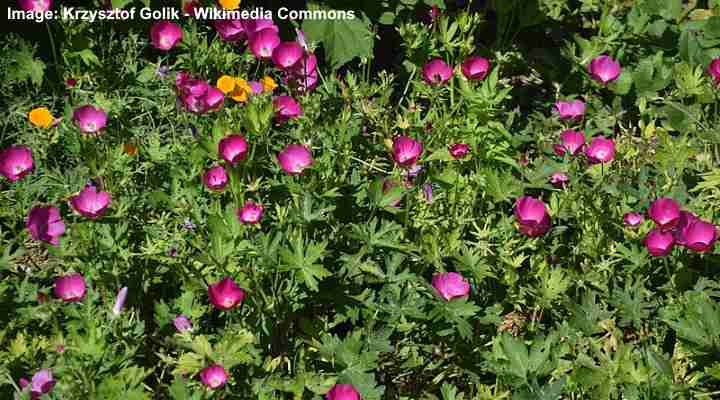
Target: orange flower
[
  {"x": 226, "y": 84},
  {"x": 130, "y": 149},
  {"x": 242, "y": 90},
  {"x": 41, "y": 117},
  {"x": 268, "y": 83},
  {"x": 230, "y": 4}
]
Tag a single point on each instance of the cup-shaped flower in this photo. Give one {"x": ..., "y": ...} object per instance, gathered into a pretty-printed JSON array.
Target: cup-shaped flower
[
  {"x": 229, "y": 30},
  {"x": 665, "y": 212},
  {"x": 306, "y": 65},
  {"x": 302, "y": 82},
  {"x": 42, "y": 383},
  {"x": 459, "y": 150},
  {"x": 45, "y": 224},
  {"x": 16, "y": 162},
  {"x": 436, "y": 72},
  {"x": 90, "y": 203},
  {"x": 70, "y": 288},
  {"x": 41, "y": 117},
  {"x": 604, "y": 69},
  {"x": 342, "y": 391},
  {"x": 287, "y": 54},
  {"x": 679, "y": 230},
  {"x": 182, "y": 323},
  {"x": 225, "y": 294},
  {"x": 475, "y": 68},
  {"x": 233, "y": 149},
  {"x": 164, "y": 35},
  {"x": 250, "y": 213},
  {"x": 90, "y": 119},
  {"x": 700, "y": 236},
  {"x": 286, "y": 108},
  {"x": 532, "y": 216},
  {"x": 633, "y": 219},
  {"x": 255, "y": 26},
  {"x": 568, "y": 110},
  {"x": 35, "y": 5},
  {"x": 216, "y": 178},
  {"x": 714, "y": 70},
  {"x": 263, "y": 43},
  {"x": 295, "y": 158},
  {"x": 600, "y": 150},
  {"x": 406, "y": 151},
  {"x": 572, "y": 142},
  {"x": 450, "y": 285},
  {"x": 659, "y": 243},
  {"x": 214, "y": 99},
  {"x": 120, "y": 301},
  {"x": 213, "y": 376},
  {"x": 559, "y": 179}
]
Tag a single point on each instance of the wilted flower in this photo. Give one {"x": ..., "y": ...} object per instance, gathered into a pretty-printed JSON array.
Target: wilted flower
[
  {"x": 182, "y": 323},
  {"x": 215, "y": 178},
  {"x": 213, "y": 376},
  {"x": 665, "y": 212},
  {"x": 233, "y": 149},
  {"x": 406, "y": 151},
  {"x": 164, "y": 35},
  {"x": 162, "y": 71},
  {"x": 70, "y": 82},
  {"x": 225, "y": 294},
  {"x": 604, "y": 69},
  {"x": 436, "y": 72},
  {"x": 120, "y": 301},
  {"x": 286, "y": 108},
  {"x": 250, "y": 213},
  {"x": 450, "y": 285},
  {"x": 428, "y": 192},
  {"x": 90, "y": 203},
  {"x": 16, "y": 162},
  {"x": 659, "y": 243},
  {"x": 572, "y": 142},
  {"x": 532, "y": 215},
  {"x": 632, "y": 219},
  {"x": 343, "y": 391},
  {"x": 41, "y": 117},
  {"x": 600, "y": 150},
  {"x": 230, "y": 30},
  {"x": 263, "y": 43},
  {"x": 35, "y": 5},
  {"x": 294, "y": 158},
  {"x": 475, "y": 68},
  {"x": 700, "y": 236},
  {"x": 287, "y": 54},
  {"x": 714, "y": 69},
  {"x": 70, "y": 288},
  {"x": 559, "y": 179},
  {"x": 45, "y": 224},
  {"x": 574, "y": 109},
  {"x": 459, "y": 150},
  {"x": 90, "y": 119}
]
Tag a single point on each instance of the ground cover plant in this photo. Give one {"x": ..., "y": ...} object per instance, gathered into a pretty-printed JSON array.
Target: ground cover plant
[{"x": 432, "y": 200}]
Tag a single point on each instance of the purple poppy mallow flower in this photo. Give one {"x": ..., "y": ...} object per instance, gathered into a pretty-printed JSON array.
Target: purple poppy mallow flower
[
  {"x": 216, "y": 178},
  {"x": 604, "y": 69},
  {"x": 263, "y": 43},
  {"x": 233, "y": 149},
  {"x": 295, "y": 158},
  {"x": 42, "y": 383},
  {"x": 16, "y": 162},
  {"x": 475, "y": 68},
  {"x": 300, "y": 38},
  {"x": 633, "y": 219},
  {"x": 213, "y": 376},
  {"x": 305, "y": 66},
  {"x": 572, "y": 142},
  {"x": 665, "y": 212},
  {"x": 230, "y": 30},
  {"x": 287, "y": 54},
  {"x": 70, "y": 288},
  {"x": 559, "y": 179},
  {"x": 164, "y": 35},
  {"x": 700, "y": 236},
  {"x": 90, "y": 203},
  {"x": 286, "y": 108},
  {"x": 90, "y": 119},
  {"x": 406, "y": 151},
  {"x": 679, "y": 229},
  {"x": 532, "y": 216},
  {"x": 214, "y": 99},
  {"x": 196, "y": 95},
  {"x": 182, "y": 323},
  {"x": 450, "y": 285},
  {"x": 45, "y": 224},
  {"x": 225, "y": 294},
  {"x": 459, "y": 150},
  {"x": 302, "y": 83},
  {"x": 659, "y": 243},
  {"x": 256, "y": 87},
  {"x": 120, "y": 301},
  {"x": 342, "y": 391},
  {"x": 570, "y": 110},
  {"x": 35, "y": 5},
  {"x": 436, "y": 72},
  {"x": 254, "y": 26},
  {"x": 428, "y": 192},
  {"x": 250, "y": 213},
  {"x": 600, "y": 150},
  {"x": 714, "y": 70}
]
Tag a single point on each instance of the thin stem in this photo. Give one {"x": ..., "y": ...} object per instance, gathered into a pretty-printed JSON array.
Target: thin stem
[{"x": 54, "y": 50}]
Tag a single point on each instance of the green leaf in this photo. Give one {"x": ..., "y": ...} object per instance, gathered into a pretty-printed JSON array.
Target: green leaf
[
  {"x": 622, "y": 84},
  {"x": 302, "y": 259},
  {"x": 25, "y": 65},
  {"x": 343, "y": 40}
]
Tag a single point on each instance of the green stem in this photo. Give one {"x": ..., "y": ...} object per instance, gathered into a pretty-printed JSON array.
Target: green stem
[{"x": 54, "y": 50}]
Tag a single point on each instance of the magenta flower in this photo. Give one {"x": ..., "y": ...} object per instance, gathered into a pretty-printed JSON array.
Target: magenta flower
[
  {"x": 574, "y": 109},
  {"x": 343, "y": 391},
  {"x": 475, "y": 68},
  {"x": 225, "y": 294},
  {"x": 700, "y": 236},
  {"x": 233, "y": 149},
  {"x": 214, "y": 98},
  {"x": 286, "y": 108},
  {"x": 215, "y": 178},
  {"x": 633, "y": 219},
  {"x": 572, "y": 142},
  {"x": 428, "y": 192},
  {"x": 213, "y": 376},
  {"x": 559, "y": 179},
  {"x": 196, "y": 95},
  {"x": 182, "y": 323},
  {"x": 459, "y": 150},
  {"x": 256, "y": 87},
  {"x": 254, "y": 26},
  {"x": 45, "y": 224},
  {"x": 406, "y": 151},
  {"x": 120, "y": 301},
  {"x": 714, "y": 70},
  {"x": 659, "y": 243},
  {"x": 604, "y": 69},
  {"x": 302, "y": 82},
  {"x": 70, "y": 288},
  {"x": 42, "y": 383},
  {"x": 600, "y": 150},
  {"x": 680, "y": 229},
  {"x": 450, "y": 285},
  {"x": 250, "y": 213},
  {"x": 230, "y": 30},
  {"x": 665, "y": 212},
  {"x": 90, "y": 203},
  {"x": 16, "y": 162},
  {"x": 35, "y": 5},
  {"x": 164, "y": 35},
  {"x": 306, "y": 65},
  {"x": 90, "y": 119},
  {"x": 263, "y": 43},
  {"x": 295, "y": 158},
  {"x": 436, "y": 72},
  {"x": 532, "y": 216},
  {"x": 287, "y": 54}
]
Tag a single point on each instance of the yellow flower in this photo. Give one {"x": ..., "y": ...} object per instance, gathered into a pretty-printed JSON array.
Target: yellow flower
[
  {"x": 268, "y": 84},
  {"x": 226, "y": 84},
  {"x": 230, "y": 4},
  {"x": 41, "y": 117},
  {"x": 241, "y": 91}
]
